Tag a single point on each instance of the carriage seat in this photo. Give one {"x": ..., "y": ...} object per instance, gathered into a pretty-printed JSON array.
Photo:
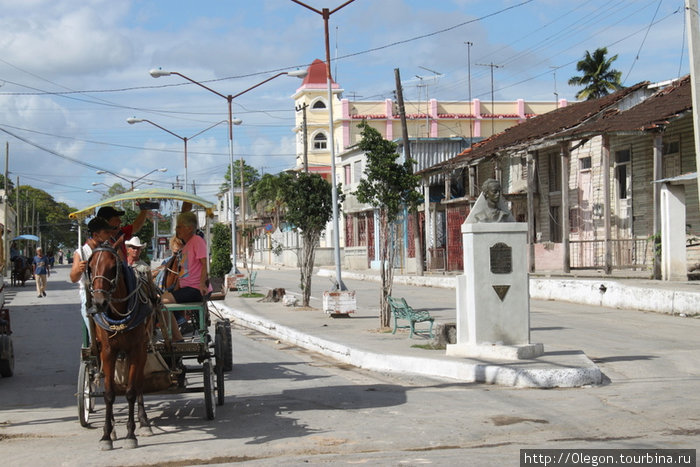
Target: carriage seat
[{"x": 199, "y": 311}]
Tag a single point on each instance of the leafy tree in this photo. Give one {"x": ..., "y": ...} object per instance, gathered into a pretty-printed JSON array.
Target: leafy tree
[
  {"x": 250, "y": 176},
  {"x": 50, "y": 218},
  {"x": 388, "y": 186},
  {"x": 220, "y": 250},
  {"x": 598, "y": 76},
  {"x": 267, "y": 196},
  {"x": 114, "y": 190},
  {"x": 9, "y": 184},
  {"x": 309, "y": 208}
]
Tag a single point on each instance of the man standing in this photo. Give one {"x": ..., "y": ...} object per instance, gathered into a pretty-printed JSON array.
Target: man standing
[
  {"x": 100, "y": 231},
  {"x": 40, "y": 266}
]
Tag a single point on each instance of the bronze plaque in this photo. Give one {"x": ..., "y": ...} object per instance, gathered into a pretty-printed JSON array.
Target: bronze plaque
[
  {"x": 501, "y": 256},
  {"x": 501, "y": 290}
]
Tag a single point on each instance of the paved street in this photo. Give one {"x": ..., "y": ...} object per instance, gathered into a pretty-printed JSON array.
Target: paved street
[{"x": 292, "y": 407}]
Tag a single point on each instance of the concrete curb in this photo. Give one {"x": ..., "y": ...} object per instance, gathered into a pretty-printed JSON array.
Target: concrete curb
[
  {"x": 605, "y": 293},
  {"x": 587, "y": 374}
]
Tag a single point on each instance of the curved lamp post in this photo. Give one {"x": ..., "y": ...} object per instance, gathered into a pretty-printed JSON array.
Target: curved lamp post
[
  {"x": 131, "y": 182},
  {"x": 326, "y": 14},
  {"x": 159, "y": 72},
  {"x": 184, "y": 139}
]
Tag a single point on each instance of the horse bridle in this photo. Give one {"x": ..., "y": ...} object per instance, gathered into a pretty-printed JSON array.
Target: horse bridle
[{"x": 113, "y": 282}]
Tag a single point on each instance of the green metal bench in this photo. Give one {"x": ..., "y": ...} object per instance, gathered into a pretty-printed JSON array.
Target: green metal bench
[
  {"x": 242, "y": 283},
  {"x": 401, "y": 310}
]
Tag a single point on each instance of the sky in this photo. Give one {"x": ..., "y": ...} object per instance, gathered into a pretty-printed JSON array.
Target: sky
[{"x": 73, "y": 71}]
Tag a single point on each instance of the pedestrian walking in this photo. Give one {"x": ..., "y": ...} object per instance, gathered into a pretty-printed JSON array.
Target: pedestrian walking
[{"x": 40, "y": 266}]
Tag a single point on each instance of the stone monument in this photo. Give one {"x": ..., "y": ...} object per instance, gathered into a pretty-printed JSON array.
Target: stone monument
[{"x": 493, "y": 300}]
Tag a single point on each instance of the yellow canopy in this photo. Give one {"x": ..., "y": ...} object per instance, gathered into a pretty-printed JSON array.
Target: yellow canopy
[{"x": 144, "y": 195}]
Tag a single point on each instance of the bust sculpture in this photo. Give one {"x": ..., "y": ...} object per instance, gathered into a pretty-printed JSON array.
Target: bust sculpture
[{"x": 490, "y": 206}]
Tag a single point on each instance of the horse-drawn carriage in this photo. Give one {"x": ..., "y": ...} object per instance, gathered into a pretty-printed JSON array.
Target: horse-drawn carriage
[
  {"x": 21, "y": 266},
  {"x": 129, "y": 355}
]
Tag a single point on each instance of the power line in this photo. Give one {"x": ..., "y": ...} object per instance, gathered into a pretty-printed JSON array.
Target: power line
[
  {"x": 642, "y": 44},
  {"x": 354, "y": 54}
]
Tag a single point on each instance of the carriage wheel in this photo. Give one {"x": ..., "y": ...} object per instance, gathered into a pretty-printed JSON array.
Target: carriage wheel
[
  {"x": 219, "y": 369},
  {"x": 7, "y": 365},
  {"x": 86, "y": 402},
  {"x": 223, "y": 333},
  {"x": 209, "y": 390}
]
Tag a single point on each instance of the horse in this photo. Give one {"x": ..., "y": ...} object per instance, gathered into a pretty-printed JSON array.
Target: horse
[
  {"x": 121, "y": 331},
  {"x": 21, "y": 270}
]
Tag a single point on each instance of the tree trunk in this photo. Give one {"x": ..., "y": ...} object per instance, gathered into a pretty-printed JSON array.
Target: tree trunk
[
  {"x": 308, "y": 254},
  {"x": 386, "y": 269}
]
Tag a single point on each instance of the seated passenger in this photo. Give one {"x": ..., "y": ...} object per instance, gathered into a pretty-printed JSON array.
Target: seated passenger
[
  {"x": 133, "y": 256},
  {"x": 193, "y": 281},
  {"x": 14, "y": 252}
]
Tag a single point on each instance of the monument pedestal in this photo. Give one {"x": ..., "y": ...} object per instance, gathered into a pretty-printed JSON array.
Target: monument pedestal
[{"x": 493, "y": 300}]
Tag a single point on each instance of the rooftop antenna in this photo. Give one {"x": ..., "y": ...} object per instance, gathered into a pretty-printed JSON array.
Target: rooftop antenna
[
  {"x": 556, "y": 94},
  {"x": 427, "y": 99},
  {"x": 492, "y": 107}
]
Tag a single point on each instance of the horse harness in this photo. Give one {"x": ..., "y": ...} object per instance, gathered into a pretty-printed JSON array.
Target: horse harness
[{"x": 138, "y": 303}]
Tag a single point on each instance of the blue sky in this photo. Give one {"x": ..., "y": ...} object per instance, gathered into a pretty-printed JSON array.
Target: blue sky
[{"x": 73, "y": 71}]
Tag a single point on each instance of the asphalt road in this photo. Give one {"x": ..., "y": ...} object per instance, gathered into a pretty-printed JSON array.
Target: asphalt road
[{"x": 291, "y": 407}]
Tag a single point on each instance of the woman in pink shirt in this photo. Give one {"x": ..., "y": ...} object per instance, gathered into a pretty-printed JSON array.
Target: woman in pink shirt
[{"x": 193, "y": 281}]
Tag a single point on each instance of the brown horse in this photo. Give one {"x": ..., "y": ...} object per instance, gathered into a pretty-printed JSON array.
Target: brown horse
[{"x": 121, "y": 331}]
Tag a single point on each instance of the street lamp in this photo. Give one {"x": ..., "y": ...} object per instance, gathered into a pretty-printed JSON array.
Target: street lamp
[
  {"x": 326, "y": 14},
  {"x": 96, "y": 191},
  {"x": 158, "y": 72},
  {"x": 184, "y": 139},
  {"x": 131, "y": 182}
]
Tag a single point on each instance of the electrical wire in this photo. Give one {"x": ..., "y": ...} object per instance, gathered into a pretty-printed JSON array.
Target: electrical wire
[{"x": 642, "y": 44}]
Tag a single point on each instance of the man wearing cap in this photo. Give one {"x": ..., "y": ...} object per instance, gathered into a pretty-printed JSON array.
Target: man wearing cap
[
  {"x": 113, "y": 216},
  {"x": 100, "y": 231}
]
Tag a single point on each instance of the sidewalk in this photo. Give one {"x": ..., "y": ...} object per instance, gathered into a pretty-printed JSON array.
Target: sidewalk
[{"x": 357, "y": 341}]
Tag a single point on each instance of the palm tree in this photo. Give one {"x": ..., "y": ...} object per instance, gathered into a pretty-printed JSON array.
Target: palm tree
[{"x": 598, "y": 77}]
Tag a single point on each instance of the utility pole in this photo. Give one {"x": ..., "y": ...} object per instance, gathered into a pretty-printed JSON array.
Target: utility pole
[
  {"x": 242, "y": 207},
  {"x": 19, "y": 224},
  {"x": 469, "y": 80},
  {"x": 691, "y": 18},
  {"x": 6, "y": 201},
  {"x": 304, "y": 134},
  {"x": 492, "y": 66},
  {"x": 407, "y": 155}
]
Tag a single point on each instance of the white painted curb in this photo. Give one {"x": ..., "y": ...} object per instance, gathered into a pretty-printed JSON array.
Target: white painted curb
[{"x": 452, "y": 369}]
